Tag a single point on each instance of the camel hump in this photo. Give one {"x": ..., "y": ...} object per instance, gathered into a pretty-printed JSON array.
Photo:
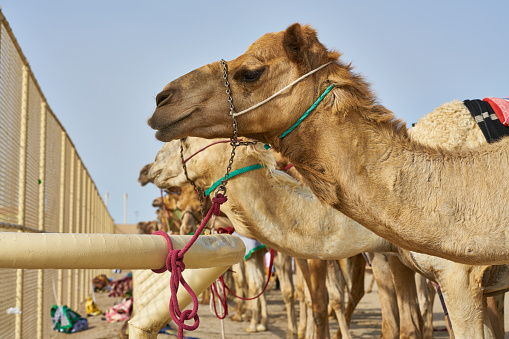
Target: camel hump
[{"x": 493, "y": 125}]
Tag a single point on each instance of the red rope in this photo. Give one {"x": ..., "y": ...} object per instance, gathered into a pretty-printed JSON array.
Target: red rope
[
  {"x": 223, "y": 301},
  {"x": 287, "y": 167},
  {"x": 175, "y": 265},
  {"x": 271, "y": 263},
  {"x": 204, "y": 148}
]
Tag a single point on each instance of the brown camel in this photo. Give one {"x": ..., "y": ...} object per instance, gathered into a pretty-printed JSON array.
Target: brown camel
[
  {"x": 299, "y": 225},
  {"x": 354, "y": 154}
]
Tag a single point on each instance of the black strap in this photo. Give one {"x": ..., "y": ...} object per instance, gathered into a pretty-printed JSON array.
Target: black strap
[{"x": 487, "y": 120}]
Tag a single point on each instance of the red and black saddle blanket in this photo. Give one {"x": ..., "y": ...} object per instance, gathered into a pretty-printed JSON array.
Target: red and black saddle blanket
[{"x": 492, "y": 116}]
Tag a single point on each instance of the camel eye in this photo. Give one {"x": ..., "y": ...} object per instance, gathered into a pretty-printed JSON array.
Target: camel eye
[{"x": 250, "y": 75}]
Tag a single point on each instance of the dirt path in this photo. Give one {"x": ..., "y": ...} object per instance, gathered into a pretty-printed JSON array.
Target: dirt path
[{"x": 366, "y": 321}]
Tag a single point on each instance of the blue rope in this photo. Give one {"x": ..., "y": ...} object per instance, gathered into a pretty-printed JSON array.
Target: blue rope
[
  {"x": 232, "y": 174},
  {"x": 308, "y": 111}
]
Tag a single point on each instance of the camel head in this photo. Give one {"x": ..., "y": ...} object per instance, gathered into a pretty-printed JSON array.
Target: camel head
[
  {"x": 167, "y": 170},
  {"x": 196, "y": 104},
  {"x": 143, "y": 178}
]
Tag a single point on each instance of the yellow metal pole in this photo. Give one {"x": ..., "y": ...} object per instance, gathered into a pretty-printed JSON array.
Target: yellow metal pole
[
  {"x": 41, "y": 216},
  {"x": 77, "y": 227},
  {"x": 61, "y": 212},
  {"x": 82, "y": 230},
  {"x": 88, "y": 274},
  {"x": 108, "y": 251},
  {"x": 18, "y": 331},
  {"x": 71, "y": 223}
]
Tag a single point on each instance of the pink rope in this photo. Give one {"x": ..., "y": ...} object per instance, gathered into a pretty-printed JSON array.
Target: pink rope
[
  {"x": 271, "y": 262},
  {"x": 287, "y": 167},
  {"x": 224, "y": 303},
  {"x": 175, "y": 265},
  {"x": 204, "y": 148}
]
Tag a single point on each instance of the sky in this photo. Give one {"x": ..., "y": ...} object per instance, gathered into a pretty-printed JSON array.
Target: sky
[{"x": 100, "y": 63}]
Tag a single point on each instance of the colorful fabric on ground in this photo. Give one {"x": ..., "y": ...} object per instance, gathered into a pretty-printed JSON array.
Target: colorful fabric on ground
[
  {"x": 66, "y": 320},
  {"x": 120, "y": 312}
]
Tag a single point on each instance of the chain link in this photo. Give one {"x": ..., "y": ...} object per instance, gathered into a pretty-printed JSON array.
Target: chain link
[{"x": 234, "y": 142}]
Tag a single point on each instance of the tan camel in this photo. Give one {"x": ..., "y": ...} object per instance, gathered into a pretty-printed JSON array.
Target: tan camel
[
  {"x": 355, "y": 155},
  {"x": 143, "y": 178},
  {"x": 325, "y": 233}
]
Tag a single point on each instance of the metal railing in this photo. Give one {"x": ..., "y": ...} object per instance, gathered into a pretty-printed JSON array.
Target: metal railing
[{"x": 44, "y": 187}]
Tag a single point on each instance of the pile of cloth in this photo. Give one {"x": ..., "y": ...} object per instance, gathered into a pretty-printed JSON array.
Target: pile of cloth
[{"x": 66, "y": 320}]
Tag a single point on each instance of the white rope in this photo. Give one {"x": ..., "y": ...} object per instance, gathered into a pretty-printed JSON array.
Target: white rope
[{"x": 282, "y": 90}]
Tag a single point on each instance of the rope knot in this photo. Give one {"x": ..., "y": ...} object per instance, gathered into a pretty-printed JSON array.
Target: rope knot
[{"x": 217, "y": 201}]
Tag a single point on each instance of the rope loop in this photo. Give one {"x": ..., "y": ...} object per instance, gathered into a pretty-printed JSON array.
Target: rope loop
[{"x": 175, "y": 265}]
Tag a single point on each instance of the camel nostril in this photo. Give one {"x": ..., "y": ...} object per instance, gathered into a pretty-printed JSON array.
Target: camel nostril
[{"x": 162, "y": 96}]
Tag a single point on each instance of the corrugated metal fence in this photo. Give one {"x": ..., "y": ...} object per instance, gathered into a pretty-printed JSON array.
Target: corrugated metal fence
[{"x": 44, "y": 187}]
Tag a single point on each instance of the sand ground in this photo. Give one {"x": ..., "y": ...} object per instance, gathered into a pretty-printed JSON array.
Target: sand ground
[{"x": 366, "y": 321}]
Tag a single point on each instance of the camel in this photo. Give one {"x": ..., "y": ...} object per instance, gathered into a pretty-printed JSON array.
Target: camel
[
  {"x": 324, "y": 233},
  {"x": 143, "y": 177},
  {"x": 353, "y": 152}
]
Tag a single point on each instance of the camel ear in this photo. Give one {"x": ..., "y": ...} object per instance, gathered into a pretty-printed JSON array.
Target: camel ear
[
  {"x": 295, "y": 44},
  {"x": 302, "y": 46}
]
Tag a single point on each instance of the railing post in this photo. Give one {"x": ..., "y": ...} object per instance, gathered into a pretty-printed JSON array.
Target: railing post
[
  {"x": 18, "y": 331},
  {"x": 71, "y": 223},
  {"x": 61, "y": 209},
  {"x": 41, "y": 217}
]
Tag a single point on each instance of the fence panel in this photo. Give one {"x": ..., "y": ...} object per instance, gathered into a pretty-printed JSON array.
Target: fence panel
[{"x": 44, "y": 187}]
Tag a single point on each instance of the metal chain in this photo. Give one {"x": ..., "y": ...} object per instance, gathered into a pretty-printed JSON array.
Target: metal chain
[
  {"x": 199, "y": 191},
  {"x": 234, "y": 142}
]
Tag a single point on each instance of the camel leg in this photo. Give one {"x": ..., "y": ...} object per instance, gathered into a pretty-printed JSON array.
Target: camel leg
[
  {"x": 464, "y": 304},
  {"x": 371, "y": 283},
  {"x": 283, "y": 265},
  {"x": 425, "y": 304},
  {"x": 319, "y": 296},
  {"x": 255, "y": 276},
  {"x": 495, "y": 312},
  {"x": 262, "y": 325},
  {"x": 336, "y": 288},
  {"x": 240, "y": 283},
  {"x": 410, "y": 318},
  {"x": 300, "y": 287},
  {"x": 353, "y": 270},
  {"x": 310, "y": 322},
  {"x": 432, "y": 292},
  {"x": 387, "y": 294}
]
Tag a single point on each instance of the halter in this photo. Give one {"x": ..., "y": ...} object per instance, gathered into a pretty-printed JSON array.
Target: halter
[
  {"x": 233, "y": 114},
  {"x": 281, "y": 90}
]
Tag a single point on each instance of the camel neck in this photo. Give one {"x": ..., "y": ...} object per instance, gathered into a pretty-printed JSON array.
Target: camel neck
[
  {"x": 403, "y": 191},
  {"x": 283, "y": 215}
]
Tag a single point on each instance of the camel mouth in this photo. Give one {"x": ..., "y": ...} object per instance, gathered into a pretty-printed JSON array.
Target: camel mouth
[{"x": 166, "y": 129}]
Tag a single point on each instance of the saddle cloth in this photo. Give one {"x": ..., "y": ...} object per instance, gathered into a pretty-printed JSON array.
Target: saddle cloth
[
  {"x": 252, "y": 245},
  {"x": 492, "y": 116}
]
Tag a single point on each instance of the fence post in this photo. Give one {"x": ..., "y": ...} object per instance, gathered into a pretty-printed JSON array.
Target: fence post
[
  {"x": 71, "y": 222},
  {"x": 61, "y": 212},
  {"x": 18, "y": 331},
  {"x": 41, "y": 216}
]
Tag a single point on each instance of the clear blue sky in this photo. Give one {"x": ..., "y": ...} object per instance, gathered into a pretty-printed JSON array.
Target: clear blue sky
[{"x": 101, "y": 63}]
